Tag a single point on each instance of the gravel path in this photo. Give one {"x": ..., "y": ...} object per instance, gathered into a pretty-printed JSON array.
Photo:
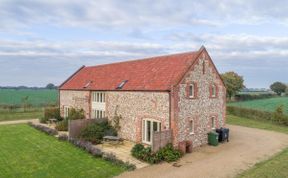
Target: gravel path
[
  {"x": 18, "y": 121},
  {"x": 247, "y": 146}
]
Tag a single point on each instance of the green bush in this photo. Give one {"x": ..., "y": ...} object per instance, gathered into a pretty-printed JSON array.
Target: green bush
[
  {"x": 167, "y": 153},
  {"x": 43, "y": 120},
  {"x": 62, "y": 125},
  {"x": 52, "y": 112},
  {"x": 276, "y": 117},
  {"x": 246, "y": 97},
  {"x": 75, "y": 114},
  {"x": 96, "y": 131}
]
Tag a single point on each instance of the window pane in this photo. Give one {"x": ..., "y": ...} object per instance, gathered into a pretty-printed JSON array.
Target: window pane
[
  {"x": 191, "y": 90},
  {"x": 97, "y": 97},
  {"x": 149, "y": 131},
  {"x": 191, "y": 126},
  {"x": 104, "y": 97},
  {"x": 100, "y": 97}
]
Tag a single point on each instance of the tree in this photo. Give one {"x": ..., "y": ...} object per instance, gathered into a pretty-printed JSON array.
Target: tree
[
  {"x": 50, "y": 86},
  {"x": 233, "y": 82},
  {"x": 278, "y": 87}
]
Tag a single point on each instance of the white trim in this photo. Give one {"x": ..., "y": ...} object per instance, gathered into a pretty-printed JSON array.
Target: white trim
[
  {"x": 213, "y": 124},
  {"x": 192, "y": 87},
  {"x": 66, "y": 111},
  {"x": 145, "y": 132},
  {"x": 191, "y": 128}
]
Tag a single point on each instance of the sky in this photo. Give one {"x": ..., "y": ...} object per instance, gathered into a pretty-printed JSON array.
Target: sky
[{"x": 46, "y": 41}]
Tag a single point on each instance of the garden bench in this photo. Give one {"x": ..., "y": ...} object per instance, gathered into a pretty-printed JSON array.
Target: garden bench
[
  {"x": 114, "y": 140},
  {"x": 52, "y": 121}
]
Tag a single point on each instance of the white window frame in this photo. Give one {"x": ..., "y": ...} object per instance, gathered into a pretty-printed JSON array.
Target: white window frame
[
  {"x": 213, "y": 124},
  {"x": 192, "y": 90},
  {"x": 66, "y": 111},
  {"x": 191, "y": 127},
  {"x": 98, "y": 104},
  {"x": 145, "y": 134},
  {"x": 97, "y": 114},
  {"x": 98, "y": 97},
  {"x": 213, "y": 90}
]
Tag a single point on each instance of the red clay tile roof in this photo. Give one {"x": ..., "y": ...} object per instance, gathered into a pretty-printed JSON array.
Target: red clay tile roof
[{"x": 150, "y": 74}]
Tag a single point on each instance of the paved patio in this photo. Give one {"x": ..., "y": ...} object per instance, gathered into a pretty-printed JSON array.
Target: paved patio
[{"x": 122, "y": 152}]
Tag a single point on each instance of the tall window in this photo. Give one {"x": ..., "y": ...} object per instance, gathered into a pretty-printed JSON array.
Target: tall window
[
  {"x": 96, "y": 114},
  {"x": 98, "y": 105},
  {"x": 191, "y": 127},
  {"x": 192, "y": 91},
  {"x": 213, "y": 90},
  {"x": 213, "y": 122},
  {"x": 66, "y": 111},
  {"x": 203, "y": 67},
  {"x": 98, "y": 97}
]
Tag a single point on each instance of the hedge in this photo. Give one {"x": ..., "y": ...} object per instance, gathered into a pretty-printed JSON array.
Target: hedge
[
  {"x": 246, "y": 97},
  {"x": 257, "y": 114}
]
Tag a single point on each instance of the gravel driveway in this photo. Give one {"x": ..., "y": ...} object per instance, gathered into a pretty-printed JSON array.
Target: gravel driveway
[{"x": 247, "y": 146}]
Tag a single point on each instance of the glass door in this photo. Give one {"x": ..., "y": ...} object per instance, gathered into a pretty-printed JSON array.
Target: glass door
[{"x": 148, "y": 128}]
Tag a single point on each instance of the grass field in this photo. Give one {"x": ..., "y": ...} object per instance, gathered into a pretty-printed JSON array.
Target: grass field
[
  {"x": 277, "y": 166},
  {"x": 35, "y": 97},
  {"x": 263, "y": 104},
  {"x": 26, "y": 152}
]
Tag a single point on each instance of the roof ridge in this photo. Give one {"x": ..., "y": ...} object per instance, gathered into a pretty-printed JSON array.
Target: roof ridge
[{"x": 143, "y": 59}]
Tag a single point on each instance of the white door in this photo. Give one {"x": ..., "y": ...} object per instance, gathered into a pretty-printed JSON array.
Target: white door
[{"x": 148, "y": 128}]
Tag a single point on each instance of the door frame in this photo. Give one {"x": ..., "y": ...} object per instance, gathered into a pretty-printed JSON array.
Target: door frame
[{"x": 145, "y": 132}]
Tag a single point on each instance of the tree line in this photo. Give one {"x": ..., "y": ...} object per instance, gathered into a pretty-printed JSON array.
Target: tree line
[{"x": 48, "y": 86}]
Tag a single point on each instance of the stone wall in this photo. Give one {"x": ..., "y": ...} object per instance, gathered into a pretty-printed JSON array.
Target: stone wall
[
  {"x": 75, "y": 99},
  {"x": 201, "y": 108},
  {"x": 136, "y": 106}
]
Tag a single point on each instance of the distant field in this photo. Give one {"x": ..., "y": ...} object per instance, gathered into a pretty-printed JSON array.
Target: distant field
[
  {"x": 36, "y": 97},
  {"x": 264, "y": 104}
]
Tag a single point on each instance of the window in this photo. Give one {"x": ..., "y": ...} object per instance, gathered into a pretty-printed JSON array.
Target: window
[
  {"x": 98, "y": 97},
  {"x": 96, "y": 114},
  {"x": 148, "y": 128},
  {"x": 192, "y": 91},
  {"x": 213, "y": 90},
  {"x": 120, "y": 86},
  {"x": 191, "y": 127},
  {"x": 203, "y": 67},
  {"x": 213, "y": 122},
  {"x": 66, "y": 111}
]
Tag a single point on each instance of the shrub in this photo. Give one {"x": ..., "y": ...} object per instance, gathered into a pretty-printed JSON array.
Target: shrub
[
  {"x": 43, "y": 120},
  {"x": 279, "y": 116},
  {"x": 258, "y": 115},
  {"x": 249, "y": 96},
  {"x": 75, "y": 114},
  {"x": 112, "y": 158},
  {"x": 52, "y": 112},
  {"x": 95, "y": 132},
  {"x": 167, "y": 153},
  {"x": 62, "y": 125},
  {"x": 43, "y": 128}
]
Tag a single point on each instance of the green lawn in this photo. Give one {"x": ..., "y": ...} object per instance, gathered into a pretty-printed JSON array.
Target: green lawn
[
  {"x": 19, "y": 114},
  {"x": 266, "y": 125},
  {"x": 275, "y": 167},
  {"x": 26, "y": 152},
  {"x": 264, "y": 104},
  {"x": 35, "y": 97}
]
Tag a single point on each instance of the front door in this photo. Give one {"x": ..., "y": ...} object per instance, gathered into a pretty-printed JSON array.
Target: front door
[{"x": 148, "y": 128}]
